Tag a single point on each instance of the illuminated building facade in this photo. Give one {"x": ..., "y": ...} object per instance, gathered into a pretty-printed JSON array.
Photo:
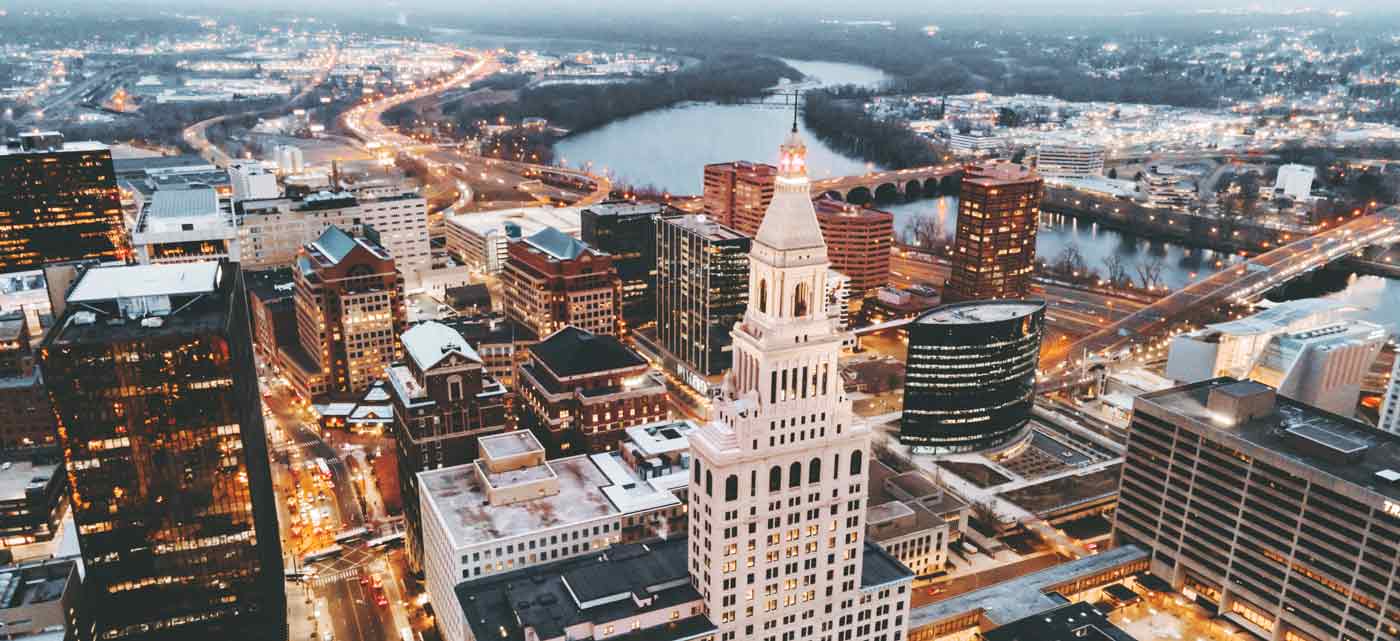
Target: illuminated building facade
[
  {"x": 350, "y": 312},
  {"x": 998, "y": 216},
  {"x": 778, "y": 486},
  {"x": 552, "y": 280},
  {"x": 970, "y": 379},
  {"x": 151, "y": 372},
  {"x": 1282, "y": 517},
  {"x": 58, "y": 202},
  {"x": 580, "y": 391},
  {"x": 858, "y": 241},
  {"x": 737, "y": 193},
  {"x": 702, "y": 288},
  {"x": 628, "y": 231}
]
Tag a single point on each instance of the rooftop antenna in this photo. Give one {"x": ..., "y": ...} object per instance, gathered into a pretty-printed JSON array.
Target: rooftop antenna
[{"x": 795, "y": 97}]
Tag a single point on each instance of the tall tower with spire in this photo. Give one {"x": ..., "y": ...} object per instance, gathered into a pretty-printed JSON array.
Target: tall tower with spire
[{"x": 778, "y": 486}]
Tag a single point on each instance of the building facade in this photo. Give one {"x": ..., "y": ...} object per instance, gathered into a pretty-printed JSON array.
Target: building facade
[
  {"x": 998, "y": 216},
  {"x": 858, "y": 241},
  {"x": 443, "y": 402},
  {"x": 1069, "y": 160},
  {"x": 778, "y": 478},
  {"x": 252, "y": 181},
  {"x": 151, "y": 372},
  {"x": 628, "y": 232},
  {"x": 1281, "y": 517},
  {"x": 26, "y": 417},
  {"x": 737, "y": 193},
  {"x": 1390, "y": 403},
  {"x": 58, "y": 202},
  {"x": 970, "y": 379},
  {"x": 1323, "y": 367},
  {"x": 31, "y": 499},
  {"x": 579, "y": 391},
  {"x": 552, "y": 280},
  {"x": 350, "y": 312},
  {"x": 185, "y": 225},
  {"x": 702, "y": 288},
  {"x": 271, "y": 231}
]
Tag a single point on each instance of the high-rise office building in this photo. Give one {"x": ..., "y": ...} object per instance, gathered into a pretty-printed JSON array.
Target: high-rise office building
[
  {"x": 702, "y": 288},
  {"x": 350, "y": 312},
  {"x": 443, "y": 403},
  {"x": 858, "y": 241},
  {"x": 1280, "y": 516},
  {"x": 150, "y": 368},
  {"x": 1390, "y": 403},
  {"x": 998, "y": 216},
  {"x": 970, "y": 380},
  {"x": 778, "y": 476},
  {"x": 737, "y": 193},
  {"x": 552, "y": 280},
  {"x": 628, "y": 232},
  {"x": 58, "y": 202}
]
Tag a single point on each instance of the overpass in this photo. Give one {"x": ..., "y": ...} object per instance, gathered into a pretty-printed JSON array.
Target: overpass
[
  {"x": 887, "y": 185},
  {"x": 1237, "y": 285}
]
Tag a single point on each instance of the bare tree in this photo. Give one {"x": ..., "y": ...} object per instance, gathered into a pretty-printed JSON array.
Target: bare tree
[
  {"x": 1150, "y": 273},
  {"x": 926, "y": 231},
  {"x": 1070, "y": 261},
  {"x": 1117, "y": 270}
]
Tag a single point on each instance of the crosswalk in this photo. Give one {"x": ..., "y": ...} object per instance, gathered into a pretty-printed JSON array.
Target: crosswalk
[{"x": 326, "y": 579}]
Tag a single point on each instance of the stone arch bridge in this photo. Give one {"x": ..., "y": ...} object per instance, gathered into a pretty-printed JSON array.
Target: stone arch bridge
[{"x": 891, "y": 186}]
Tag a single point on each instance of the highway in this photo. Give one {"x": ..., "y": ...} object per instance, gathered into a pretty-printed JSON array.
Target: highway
[
  {"x": 196, "y": 135},
  {"x": 1239, "y": 284},
  {"x": 365, "y": 123}
]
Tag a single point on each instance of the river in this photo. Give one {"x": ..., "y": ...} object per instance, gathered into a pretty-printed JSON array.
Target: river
[{"x": 667, "y": 150}]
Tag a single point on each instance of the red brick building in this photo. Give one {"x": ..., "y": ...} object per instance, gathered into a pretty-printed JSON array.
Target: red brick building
[
  {"x": 858, "y": 241},
  {"x": 998, "y": 215},
  {"x": 552, "y": 280},
  {"x": 857, "y": 238},
  {"x": 737, "y": 193},
  {"x": 350, "y": 313},
  {"x": 580, "y": 391}
]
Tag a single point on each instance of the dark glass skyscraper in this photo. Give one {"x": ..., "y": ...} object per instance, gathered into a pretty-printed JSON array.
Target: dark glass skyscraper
[
  {"x": 702, "y": 286},
  {"x": 970, "y": 379},
  {"x": 58, "y": 202},
  {"x": 151, "y": 373},
  {"x": 628, "y": 232}
]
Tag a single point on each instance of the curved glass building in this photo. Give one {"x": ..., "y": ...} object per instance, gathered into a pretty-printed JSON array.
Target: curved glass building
[{"x": 970, "y": 379}]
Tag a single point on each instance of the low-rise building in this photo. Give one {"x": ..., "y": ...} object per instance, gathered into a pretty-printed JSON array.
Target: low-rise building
[
  {"x": 185, "y": 225},
  {"x": 499, "y": 341},
  {"x": 31, "y": 500},
  {"x": 42, "y": 600},
  {"x": 252, "y": 180},
  {"x": 631, "y": 591},
  {"x": 1231, "y": 348},
  {"x": 913, "y": 518},
  {"x": 271, "y": 231},
  {"x": 580, "y": 391},
  {"x": 1323, "y": 367},
  {"x": 1069, "y": 160},
  {"x": 481, "y": 239},
  {"x": 514, "y": 510}
]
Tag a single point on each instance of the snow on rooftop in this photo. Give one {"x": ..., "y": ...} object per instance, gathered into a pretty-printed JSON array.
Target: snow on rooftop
[{"x": 133, "y": 281}]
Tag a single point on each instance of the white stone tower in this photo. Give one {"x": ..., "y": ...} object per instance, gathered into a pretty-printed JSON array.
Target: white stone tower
[{"x": 778, "y": 485}]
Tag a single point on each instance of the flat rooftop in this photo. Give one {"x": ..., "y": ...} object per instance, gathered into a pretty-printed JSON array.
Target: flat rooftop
[
  {"x": 18, "y": 476},
  {"x": 458, "y": 497},
  {"x": 661, "y": 437},
  {"x": 1000, "y": 173},
  {"x": 1369, "y": 452},
  {"x": 37, "y": 583},
  {"x": 530, "y": 220},
  {"x": 878, "y": 568},
  {"x": 980, "y": 312},
  {"x": 1026, "y": 595},
  {"x": 509, "y": 444},
  {"x": 1073, "y": 622},
  {"x": 594, "y": 588},
  {"x": 705, "y": 227},
  {"x": 134, "y": 281}
]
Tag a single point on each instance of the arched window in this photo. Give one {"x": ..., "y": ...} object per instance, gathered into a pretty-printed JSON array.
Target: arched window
[
  {"x": 763, "y": 295},
  {"x": 799, "y": 300},
  {"x": 775, "y": 479},
  {"x": 731, "y": 488},
  {"x": 695, "y": 465},
  {"x": 709, "y": 484},
  {"x": 814, "y": 471},
  {"x": 855, "y": 463},
  {"x": 795, "y": 474},
  {"x": 836, "y": 466}
]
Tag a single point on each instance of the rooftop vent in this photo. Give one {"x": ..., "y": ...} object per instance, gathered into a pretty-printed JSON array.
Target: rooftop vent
[
  {"x": 1388, "y": 475},
  {"x": 84, "y": 318},
  {"x": 152, "y": 322}
]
